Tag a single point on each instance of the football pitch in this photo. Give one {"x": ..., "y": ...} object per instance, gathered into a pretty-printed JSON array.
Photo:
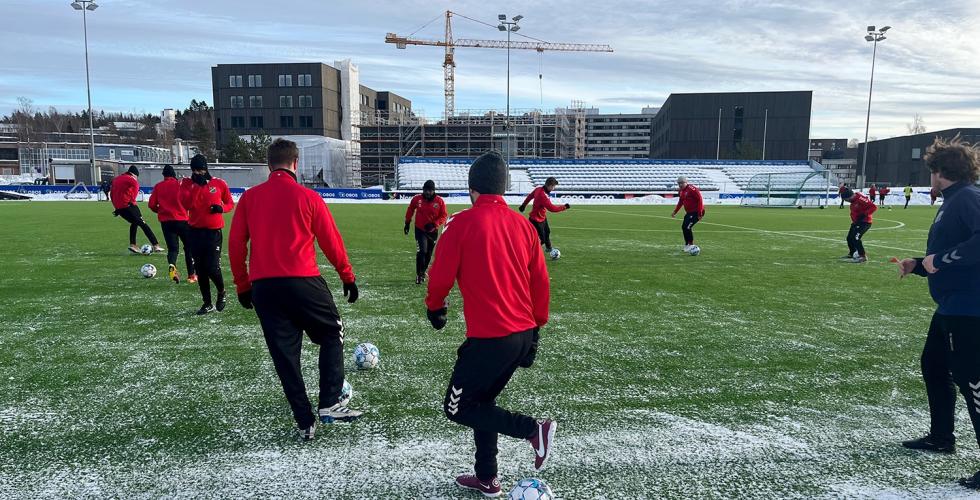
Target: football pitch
[{"x": 763, "y": 368}]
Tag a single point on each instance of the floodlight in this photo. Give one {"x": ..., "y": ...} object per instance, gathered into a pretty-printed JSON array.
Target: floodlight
[
  {"x": 76, "y": 6},
  {"x": 518, "y": 18},
  {"x": 501, "y": 17},
  {"x": 869, "y": 38},
  {"x": 502, "y": 28},
  {"x": 515, "y": 27},
  {"x": 871, "y": 28},
  {"x": 92, "y": 6},
  {"x": 886, "y": 28}
]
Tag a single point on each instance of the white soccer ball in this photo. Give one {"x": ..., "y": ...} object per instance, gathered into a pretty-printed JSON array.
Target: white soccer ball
[
  {"x": 148, "y": 270},
  {"x": 366, "y": 356},
  {"x": 555, "y": 254},
  {"x": 346, "y": 393},
  {"x": 146, "y": 249},
  {"x": 531, "y": 489},
  {"x": 694, "y": 250}
]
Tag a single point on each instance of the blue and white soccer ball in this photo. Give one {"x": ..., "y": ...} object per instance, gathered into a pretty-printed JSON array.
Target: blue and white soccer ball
[
  {"x": 694, "y": 250},
  {"x": 146, "y": 249},
  {"x": 366, "y": 356},
  {"x": 346, "y": 393},
  {"x": 531, "y": 489},
  {"x": 148, "y": 270},
  {"x": 555, "y": 254}
]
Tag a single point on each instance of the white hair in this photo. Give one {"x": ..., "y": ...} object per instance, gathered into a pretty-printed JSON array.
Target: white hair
[{"x": 682, "y": 179}]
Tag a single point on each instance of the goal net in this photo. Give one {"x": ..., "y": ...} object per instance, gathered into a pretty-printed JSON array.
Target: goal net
[{"x": 811, "y": 188}]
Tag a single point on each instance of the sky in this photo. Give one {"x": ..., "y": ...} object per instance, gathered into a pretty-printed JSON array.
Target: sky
[{"x": 149, "y": 55}]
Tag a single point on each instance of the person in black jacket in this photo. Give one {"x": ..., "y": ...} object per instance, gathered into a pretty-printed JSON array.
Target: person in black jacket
[{"x": 951, "y": 357}]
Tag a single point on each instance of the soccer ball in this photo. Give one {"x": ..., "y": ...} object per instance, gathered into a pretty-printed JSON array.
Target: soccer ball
[
  {"x": 366, "y": 356},
  {"x": 531, "y": 489},
  {"x": 148, "y": 270},
  {"x": 346, "y": 393},
  {"x": 694, "y": 250},
  {"x": 555, "y": 254},
  {"x": 146, "y": 249}
]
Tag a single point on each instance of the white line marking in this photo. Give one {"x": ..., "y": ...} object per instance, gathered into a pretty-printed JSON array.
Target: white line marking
[{"x": 766, "y": 231}]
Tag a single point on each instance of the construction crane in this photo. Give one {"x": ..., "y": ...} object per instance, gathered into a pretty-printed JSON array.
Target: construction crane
[{"x": 450, "y": 45}]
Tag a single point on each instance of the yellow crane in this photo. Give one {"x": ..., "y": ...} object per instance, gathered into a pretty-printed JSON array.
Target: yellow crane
[{"x": 450, "y": 45}]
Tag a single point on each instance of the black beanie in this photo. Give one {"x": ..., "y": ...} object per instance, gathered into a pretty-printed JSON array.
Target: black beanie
[
  {"x": 168, "y": 171},
  {"x": 847, "y": 193},
  {"x": 199, "y": 162},
  {"x": 133, "y": 170},
  {"x": 430, "y": 185},
  {"x": 488, "y": 174}
]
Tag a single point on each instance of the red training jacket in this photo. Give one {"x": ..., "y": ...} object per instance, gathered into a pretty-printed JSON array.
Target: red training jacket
[
  {"x": 542, "y": 205},
  {"x": 872, "y": 191},
  {"x": 277, "y": 220},
  {"x": 429, "y": 212},
  {"x": 124, "y": 190},
  {"x": 198, "y": 200},
  {"x": 165, "y": 201},
  {"x": 690, "y": 198},
  {"x": 495, "y": 256},
  {"x": 884, "y": 191},
  {"x": 861, "y": 205}
]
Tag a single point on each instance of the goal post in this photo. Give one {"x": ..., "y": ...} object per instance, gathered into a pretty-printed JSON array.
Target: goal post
[{"x": 811, "y": 188}]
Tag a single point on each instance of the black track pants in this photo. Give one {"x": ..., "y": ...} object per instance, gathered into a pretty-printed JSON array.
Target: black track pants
[
  {"x": 951, "y": 360},
  {"x": 854, "y": 236},
  {"x": 132, "y": 215},
  {"x": 175, "y": 234},
  {"x": 206, "y": 250},
  {"x": 687, "y": 227},
  {"x": 426, "y": 245},
  {"x": 544, "y": 232},
  {"x": 286, "y": 308}
]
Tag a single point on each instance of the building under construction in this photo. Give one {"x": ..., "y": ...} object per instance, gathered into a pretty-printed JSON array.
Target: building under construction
[{"x": 385, "y": 137}]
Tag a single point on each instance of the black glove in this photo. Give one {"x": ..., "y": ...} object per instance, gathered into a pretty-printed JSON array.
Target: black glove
[
  {"x": 430, "y": 228},
  {"x": 920, "y": 270},
  {"x": 437, "y": 318},
  {"x": 245, "y": 299},
  {"x": 199, "y": 179},
  {"x": 522, "y": 208},
  {"x": 532, "y": 353},
  {"x": 217, "y": 209},
  {"x": 350, "y": 291},
  {"x": 406, "y": 227},
  {"x": 567, "y": 206}
]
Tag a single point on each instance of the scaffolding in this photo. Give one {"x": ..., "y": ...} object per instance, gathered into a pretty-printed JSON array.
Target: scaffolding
[{"x": 386, "y": 137}]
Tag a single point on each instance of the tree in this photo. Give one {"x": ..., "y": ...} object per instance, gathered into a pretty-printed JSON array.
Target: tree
[
  {"x": 853, "y": 143},
  {"x": 918, "y": 125},
  {"x": 235, "y": 150},
  {"x": 258, "y": 147}
]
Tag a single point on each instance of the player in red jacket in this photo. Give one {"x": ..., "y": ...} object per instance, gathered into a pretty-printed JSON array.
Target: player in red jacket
[
  {"x": 207, "y": 199},
  {"x": 273, "y": 228},
  {"x": 861, "y": 209},
  {"x": 690, "y": 198},
  {"x": 430, "y": 214},
  {"x": 882, "y": 193},
  {"x": 495, "y": 258},
  {"x": 124, "y": 190},
  {"x": 542, "y": 205},
  {"x": 872, "y": 192},
  {"x": 840, "y": 192},
  {"x": 165, "y": 202}
]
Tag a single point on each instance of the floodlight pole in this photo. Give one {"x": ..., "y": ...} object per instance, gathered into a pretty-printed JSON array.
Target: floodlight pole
[
  {"x": 875, "y": 37},
  {"x": 508, "y": 26},
  {"x": 85, "y": 5}
]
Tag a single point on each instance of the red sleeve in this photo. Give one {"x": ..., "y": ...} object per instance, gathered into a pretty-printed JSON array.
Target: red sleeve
[
  {"x": 238, "y": 247},
  {"x": 680, "y": 202},
  {"x": 411, "y": 209},
  {"x": 330, "y": 241},
  {"x": 870, "y": 208},
  {"x": 186, "y": 196},
  {"x": 443, "y": 214},
  {"x": 154, "y": 202},
  {"x": 700, "y": 203},
  {"x": 227, "y": 202},
  {"x": 530, "y": 196},
  {"x": 133, "y": 190},
  {"x": 445, "y": 266},
  {"x": 545, "y": 201},
  {"x": 540, "y": 283}
]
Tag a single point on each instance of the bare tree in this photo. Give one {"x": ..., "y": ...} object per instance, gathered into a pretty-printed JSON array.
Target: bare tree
[
  {"x": 58, "y": 120},
  {"x": 24, "y": 118},
  {"x": 853, "y": 143},
  {"x": 918, "y": 125}
]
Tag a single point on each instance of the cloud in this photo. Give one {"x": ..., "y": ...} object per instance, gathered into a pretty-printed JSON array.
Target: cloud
[{"x": 150, "y": 55}]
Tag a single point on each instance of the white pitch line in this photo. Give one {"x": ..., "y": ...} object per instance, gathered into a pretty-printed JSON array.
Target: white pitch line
[{"x": 765, "y": 231}]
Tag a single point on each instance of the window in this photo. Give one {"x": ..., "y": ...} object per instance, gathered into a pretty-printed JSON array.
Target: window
[
  {"x": 235, "y": 81},
  {"x": 255, "y": 122},
  {"x": 285, "y": 80},
  {"x": 305, "y": 80},
  {"x": 254, "y": 80},
  {"x": 238, "y": 101},
  {"x": 306, "y": 121},
  {"x": 285, "y": 101},
  {"x": 255, "y": 101},
  {"x": 286, "y": 121},
  {"x": 238, "y": 122},
  {"x": 306, "y": 101}
]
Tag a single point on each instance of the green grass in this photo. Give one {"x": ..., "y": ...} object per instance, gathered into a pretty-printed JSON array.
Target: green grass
[{"x": 762, "y": 368}]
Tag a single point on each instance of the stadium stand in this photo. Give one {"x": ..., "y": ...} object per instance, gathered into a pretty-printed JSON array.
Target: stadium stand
[{"x": 597, "y": 175}]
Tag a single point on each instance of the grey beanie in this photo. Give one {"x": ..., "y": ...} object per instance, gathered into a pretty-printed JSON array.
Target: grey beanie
[{"x": 488, "y": 174}]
